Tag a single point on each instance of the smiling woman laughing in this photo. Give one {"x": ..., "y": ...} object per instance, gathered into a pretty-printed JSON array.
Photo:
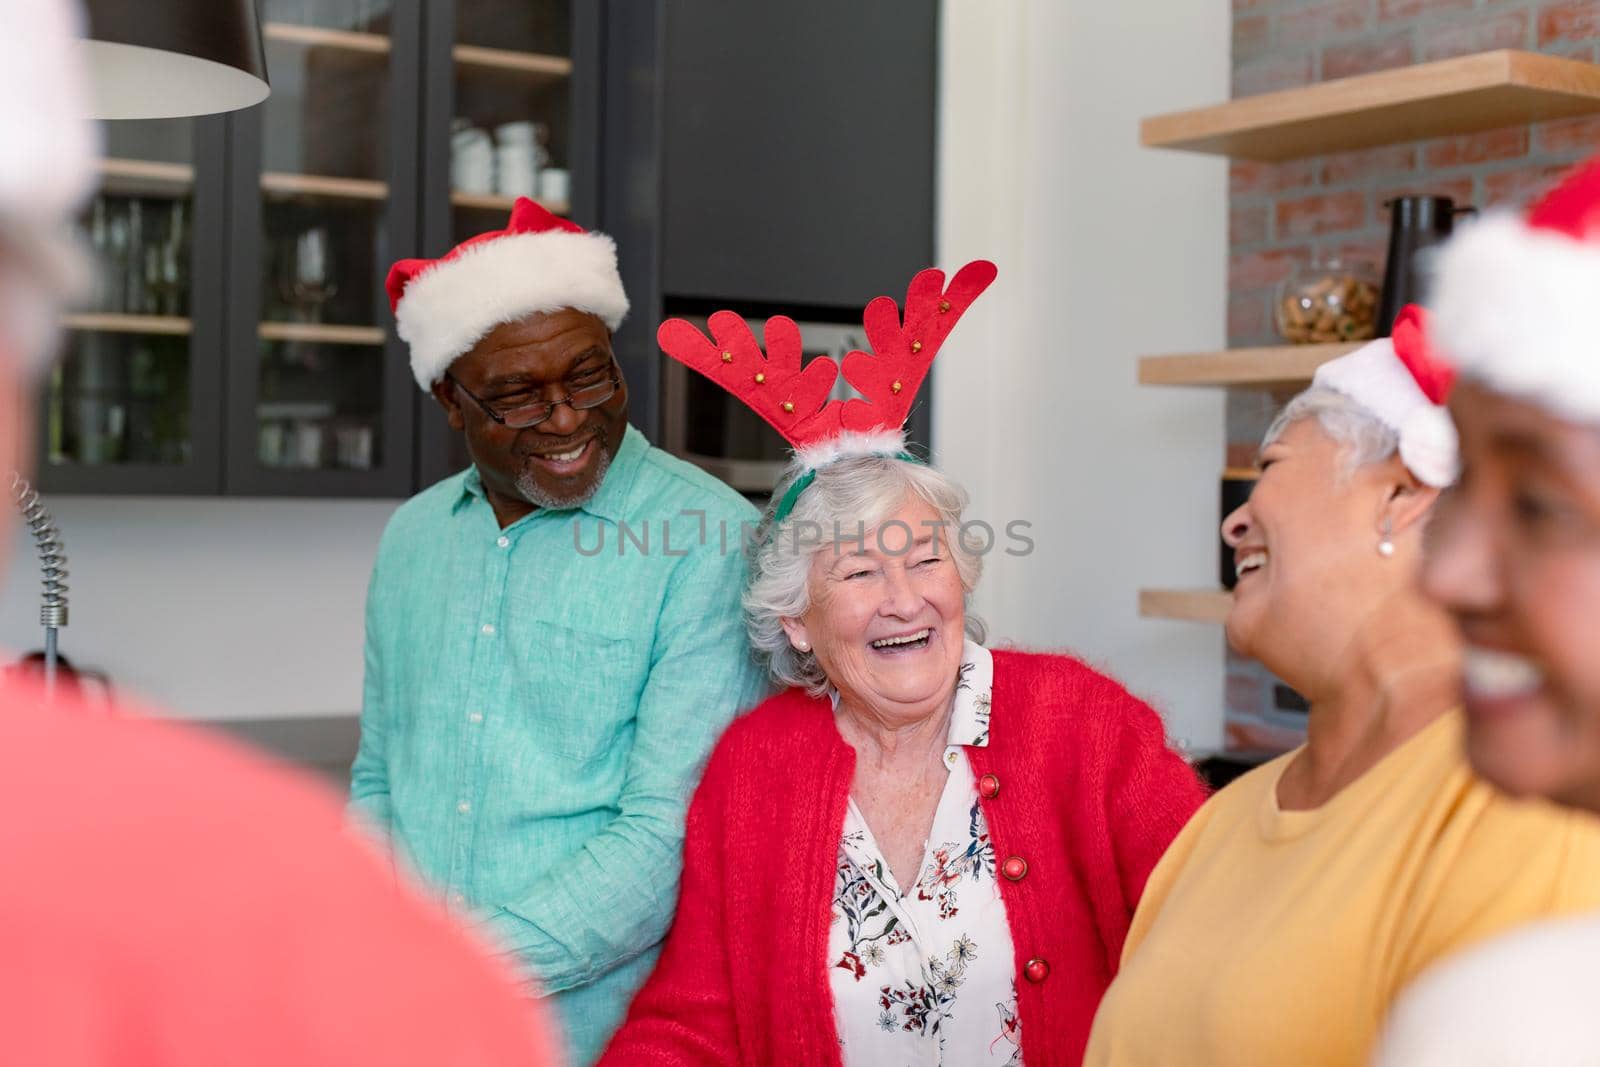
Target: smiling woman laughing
[
  {"x": 1331, "y": 876},
  {"x": 921, "y": 844},
  {"x": 921, "y": 851}
]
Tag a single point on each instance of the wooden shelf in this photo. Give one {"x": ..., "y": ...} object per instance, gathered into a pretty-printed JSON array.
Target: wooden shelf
[
  {"x": 1451, "y": 96},
  {"x": 115, "y": 322},
  {"x": 493, "y": 202},
  {"x": 321, "y": 333},
  {"x": 318, "y": 37},
  {"x": 468, "y": 55},
  {"x": 1186, "y": 605},
  {"x": 282, "y": 184},
  {"x": 1276, "y": 367},
  {"x": 144, "y": 177}
]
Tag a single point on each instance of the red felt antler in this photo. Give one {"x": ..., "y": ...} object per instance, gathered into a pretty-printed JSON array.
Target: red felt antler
[
  {"x": 771, "y": 383},
  {"x": 903, "y": 348},
  {"x": 794, "y": 401}
]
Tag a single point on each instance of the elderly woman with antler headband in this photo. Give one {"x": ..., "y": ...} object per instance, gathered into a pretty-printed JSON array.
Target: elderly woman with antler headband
[
  {"x": 921, "y": 851},
  {"x": 1326, "y": 879}
]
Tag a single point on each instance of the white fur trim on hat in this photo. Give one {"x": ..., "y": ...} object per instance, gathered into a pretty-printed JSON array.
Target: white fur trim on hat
[
  {"x": 1514, "y": 308},
  {"x": 1374, "y": 377},
  {"x": 850, "y": 444},
  {"x": 451, "y": 306},
  {"x": 47, "y": 150}
]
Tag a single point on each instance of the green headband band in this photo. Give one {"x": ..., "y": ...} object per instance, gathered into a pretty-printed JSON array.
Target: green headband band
[{"x": 802, "y": 483}]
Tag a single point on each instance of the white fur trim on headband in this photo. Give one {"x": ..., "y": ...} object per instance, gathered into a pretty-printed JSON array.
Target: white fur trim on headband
[
  {"x": 851, "y": 443},
  {"x": 1514, "y": 308},
  {"x": 451, "y": 306}
]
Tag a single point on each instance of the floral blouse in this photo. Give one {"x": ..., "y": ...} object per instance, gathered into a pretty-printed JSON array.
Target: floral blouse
[{"x": 927, "y": 977}]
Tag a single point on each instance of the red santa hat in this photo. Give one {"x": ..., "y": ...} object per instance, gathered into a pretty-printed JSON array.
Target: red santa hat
[
  {"x": 1403, "y": 383},
  {"x": 1515, "y": 295},
  {"x": 539, "y": 262}
]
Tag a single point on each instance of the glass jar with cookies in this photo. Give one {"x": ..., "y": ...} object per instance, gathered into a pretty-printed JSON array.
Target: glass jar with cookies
[{"x": 1328, "y": 302}]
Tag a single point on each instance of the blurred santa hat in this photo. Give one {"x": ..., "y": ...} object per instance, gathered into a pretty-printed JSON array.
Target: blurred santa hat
[
  {"x": 1403, "y": 383},
  {"x": 47, "y": 151},
  {"x": 1516, "y": 294}
]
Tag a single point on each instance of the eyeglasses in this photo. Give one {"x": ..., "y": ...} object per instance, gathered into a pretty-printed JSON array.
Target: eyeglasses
[{"x": 521, "y": 412}]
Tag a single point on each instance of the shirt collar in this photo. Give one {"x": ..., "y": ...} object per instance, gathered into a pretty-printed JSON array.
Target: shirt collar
[
  {"x": 608, "y": 502},
  {"x": 969, "y": 718}
]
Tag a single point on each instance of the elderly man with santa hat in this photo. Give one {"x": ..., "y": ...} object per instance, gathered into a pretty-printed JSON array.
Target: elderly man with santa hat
[{"x": 554, "y": 638}]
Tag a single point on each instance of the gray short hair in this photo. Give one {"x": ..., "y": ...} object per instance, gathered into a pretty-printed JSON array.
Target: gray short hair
[
  {"x": 847, "y": 497},
  {"x": 1362, "y": 436}
]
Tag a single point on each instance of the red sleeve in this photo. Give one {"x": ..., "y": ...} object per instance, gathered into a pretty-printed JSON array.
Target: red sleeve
[
  {"x": 1151, "y": 792},
  {"x": 684, "y": 1013}
]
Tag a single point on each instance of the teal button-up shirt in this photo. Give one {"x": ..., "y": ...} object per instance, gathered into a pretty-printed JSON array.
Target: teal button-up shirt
[{"x": 539, "y": 702}]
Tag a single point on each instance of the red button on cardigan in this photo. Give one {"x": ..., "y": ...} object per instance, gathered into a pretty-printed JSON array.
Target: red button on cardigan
[
  {"x": 1036, "y": 971},
  {"x": 988, "y": 787},
  {"x": 1014, "y": 868}
]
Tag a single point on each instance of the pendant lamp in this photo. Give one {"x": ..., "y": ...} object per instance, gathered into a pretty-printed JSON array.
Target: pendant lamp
[{"x": 161, "y": 59}]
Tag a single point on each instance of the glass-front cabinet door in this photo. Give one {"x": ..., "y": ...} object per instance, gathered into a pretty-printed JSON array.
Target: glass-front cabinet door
[
  {"x": 506, "y": 109},
  {"x": 132, "y": 404},
  {"x": 323, "y": 188}
]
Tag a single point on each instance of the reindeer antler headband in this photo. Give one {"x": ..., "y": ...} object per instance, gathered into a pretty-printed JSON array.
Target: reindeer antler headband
[{"x": 794, "y": 400}]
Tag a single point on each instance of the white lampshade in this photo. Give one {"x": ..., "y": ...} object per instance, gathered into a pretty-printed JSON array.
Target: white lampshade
[{"x": 159, "y": 59}]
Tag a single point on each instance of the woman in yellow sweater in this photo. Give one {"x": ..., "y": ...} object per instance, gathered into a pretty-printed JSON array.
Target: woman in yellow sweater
[{"x": 1299, "y": 900}]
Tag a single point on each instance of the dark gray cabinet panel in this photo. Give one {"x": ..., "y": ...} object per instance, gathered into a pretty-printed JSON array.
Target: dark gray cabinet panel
[{"x": 798, "y": 149}]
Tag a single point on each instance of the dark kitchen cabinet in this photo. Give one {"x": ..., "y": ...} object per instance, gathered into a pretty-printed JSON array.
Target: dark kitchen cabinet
[
  {"x": 757, "y": 156},
  {"x": 238, "y": 339},
  {"x": 133, "y": 403},
  {"x": 797, "y": 150}
]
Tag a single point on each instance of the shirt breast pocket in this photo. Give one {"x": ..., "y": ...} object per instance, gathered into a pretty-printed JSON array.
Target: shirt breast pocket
[{"x": 579, "y": 689}]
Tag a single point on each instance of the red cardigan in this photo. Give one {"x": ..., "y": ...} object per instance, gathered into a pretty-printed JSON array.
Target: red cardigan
[{"x": 1087, "y": 793}]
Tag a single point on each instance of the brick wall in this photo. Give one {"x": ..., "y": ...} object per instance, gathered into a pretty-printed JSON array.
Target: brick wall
[{"x": 1284, "y": 214}]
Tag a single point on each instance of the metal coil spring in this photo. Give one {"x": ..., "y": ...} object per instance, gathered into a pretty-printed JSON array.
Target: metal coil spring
[{"x": 52, "y": 554}]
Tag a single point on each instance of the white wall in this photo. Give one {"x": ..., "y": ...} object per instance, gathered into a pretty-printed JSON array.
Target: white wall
[
  {"x": 1106, "y": 251},
  {"x": 218, "y": 609}
]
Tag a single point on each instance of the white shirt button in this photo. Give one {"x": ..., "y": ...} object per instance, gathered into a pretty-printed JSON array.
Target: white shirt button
[
  {"x": 488, "y": 629},
  {"x": 475, "y": 718},
  {"x": 504, "y": 541},
  {"x": 463, "y": 807}
]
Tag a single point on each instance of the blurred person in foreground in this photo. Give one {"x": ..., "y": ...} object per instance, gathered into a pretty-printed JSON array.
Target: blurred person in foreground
[
  {"x": 169, "y": 899},
  {"x": 1304, "y": 896},
  {"x": 1516, "y": 561}
]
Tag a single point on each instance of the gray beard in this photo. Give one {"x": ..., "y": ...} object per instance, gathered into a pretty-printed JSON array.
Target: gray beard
[{"x": 535, "y": 494}]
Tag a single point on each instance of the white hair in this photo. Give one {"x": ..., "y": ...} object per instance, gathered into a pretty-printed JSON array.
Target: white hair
[
  {"x": 1362, "y": 436},
  {"x": 847, "y": 498}
]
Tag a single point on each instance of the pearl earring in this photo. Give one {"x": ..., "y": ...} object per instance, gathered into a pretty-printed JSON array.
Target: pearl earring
[
  {"x": 802, "y": 646},
  {"x": 1386, "y": 543}
]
